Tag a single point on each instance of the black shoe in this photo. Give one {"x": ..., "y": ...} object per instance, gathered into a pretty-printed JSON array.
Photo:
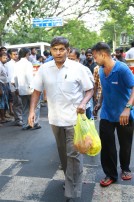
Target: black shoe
[
  {"x": 26, "y": 128},
  {"x": 36, "y": 126},
  {"x": 70, "y": 200}
]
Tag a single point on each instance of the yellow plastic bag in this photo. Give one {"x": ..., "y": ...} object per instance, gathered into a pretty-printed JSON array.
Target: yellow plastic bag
[{"x": 86, "y": 138}]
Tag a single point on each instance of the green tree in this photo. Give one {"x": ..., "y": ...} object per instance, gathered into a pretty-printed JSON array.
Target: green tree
[
  {"x": 77, "y": 33},
  {"x": 25, "y": 10},
  {"x": 75, "y": 30},
  {"x": 110, "y": 32},
  {"x": 120, "y": 12}
]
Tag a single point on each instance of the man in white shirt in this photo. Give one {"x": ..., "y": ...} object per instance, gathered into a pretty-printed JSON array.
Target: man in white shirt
[
  {"x": 33, "y": 56},
  {"x": 17, "y": 103},
  {"x": 63, "y": 80},
  {"x": 130, "y": 52},
  {"x": 23, "y": 78}
]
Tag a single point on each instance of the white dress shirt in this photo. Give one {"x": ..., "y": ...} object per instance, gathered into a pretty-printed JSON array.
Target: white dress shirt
[
  {"x": 23, "y": 76},
  {"x": 64, "y": 88},
  {"x": 9, "y": 66}
]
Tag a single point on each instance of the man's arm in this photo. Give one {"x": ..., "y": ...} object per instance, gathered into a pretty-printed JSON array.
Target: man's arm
[
  {"x": 98, "y": 105},
  {"x": 82, "y": 107},
  {"x": 124, "y": 117},
  {"x": 33, "y": 104}
]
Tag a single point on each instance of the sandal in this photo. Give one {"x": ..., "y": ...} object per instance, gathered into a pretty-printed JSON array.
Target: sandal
[
  {"x": 106, "y": 181},
  {"x": 126, "y": 175}
]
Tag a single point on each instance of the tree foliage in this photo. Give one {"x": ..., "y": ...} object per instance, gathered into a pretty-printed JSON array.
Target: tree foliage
[
  {"x": 25, "y": 10},
  {"x": 120, "y": 12},
  {"x": 75, "y": 30}
]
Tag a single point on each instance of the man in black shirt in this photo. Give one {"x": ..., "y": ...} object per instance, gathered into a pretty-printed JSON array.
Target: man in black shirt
[{"x": 89, "y": 61}]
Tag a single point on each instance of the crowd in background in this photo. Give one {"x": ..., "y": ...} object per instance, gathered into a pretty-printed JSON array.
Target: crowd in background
[
  {"x": 72, "y": 83},
  {"x": 14, "y": 105}
]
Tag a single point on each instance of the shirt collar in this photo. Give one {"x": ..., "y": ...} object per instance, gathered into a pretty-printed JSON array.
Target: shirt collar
[
  {"x": 13, "y": 61},
  {"x": 115, "y": 67},
  {"x": 66, "y": 63}
]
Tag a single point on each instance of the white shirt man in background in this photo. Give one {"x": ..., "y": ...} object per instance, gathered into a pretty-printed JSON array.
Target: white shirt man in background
[
  {"x": 23, "y": 78},
  {"x": 17, "y": 103}
]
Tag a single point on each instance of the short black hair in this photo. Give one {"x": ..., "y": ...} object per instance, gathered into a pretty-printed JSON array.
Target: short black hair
[
  {"x": 88, "y": 51},
  {"x": 33, "y": 48},
  {"x": 101, "y": 46},
  {"x": 10, "y": 51},
  {"x": 76, "y": 51},
  {"x": 60, "y": 40},
  {"x": 23, "y": 52},
  {"x": 2, "y": 48},
  {"x": 3, "y": 54},
  {"x": 46, "y": 53},
  {"x": 39, "y": 56},
  {"x": 132, "y": 43},
  {"x": 118, "y": 49}
]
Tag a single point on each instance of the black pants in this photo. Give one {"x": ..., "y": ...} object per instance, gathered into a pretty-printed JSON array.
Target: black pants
[{"x": 109, "y": 152}]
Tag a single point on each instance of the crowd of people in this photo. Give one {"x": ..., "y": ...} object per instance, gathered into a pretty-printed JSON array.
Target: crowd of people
[{"x": 73, "y": 83}]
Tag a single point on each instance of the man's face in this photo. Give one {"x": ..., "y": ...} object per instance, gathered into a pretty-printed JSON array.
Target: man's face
[
  {"x": 99, "y": 57},
  {"x": 59, "y": 53},
  {"x": 118, "y": 54},
  {"x": 73, "y": 56},
  {"x": 89, "y": 57},
  {"x": 3, "y": 59},
  {"x": 14, "y": 55},
  {"x": 34, "y": 51},
  {"x": 82, "y": 51}
]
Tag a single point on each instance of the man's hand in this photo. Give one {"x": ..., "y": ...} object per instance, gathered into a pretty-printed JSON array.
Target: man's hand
[
  {"x": 124, "y": 117},
  {"x": 31, "y": 119},
  {"x": 96, "y": 109},
  {"x": 81, "y": 109},
  {"x": 17, "y": 92}
]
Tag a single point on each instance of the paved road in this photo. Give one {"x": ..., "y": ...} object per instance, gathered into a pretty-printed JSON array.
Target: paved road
[{"x": 29, "y": 169}]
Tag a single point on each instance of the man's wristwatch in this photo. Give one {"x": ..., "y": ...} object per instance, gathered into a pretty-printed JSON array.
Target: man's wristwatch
[{"x": 129, "y": 106}]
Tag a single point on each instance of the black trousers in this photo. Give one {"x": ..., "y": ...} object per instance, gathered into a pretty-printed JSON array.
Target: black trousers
[{"x": 109, "y": 152}]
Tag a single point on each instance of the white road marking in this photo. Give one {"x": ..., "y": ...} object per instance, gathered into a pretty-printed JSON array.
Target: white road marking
[
  {"x": 24, "y": 188},
  {"x": 88, "y": 175},
  {"x": 113, "y": 193},
  {"x": 31, "y": 189}
]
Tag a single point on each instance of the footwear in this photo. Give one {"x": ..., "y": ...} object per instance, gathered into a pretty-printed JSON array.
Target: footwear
[
  {"x": 26, "y": 128},
  {"x": 126, "y": 175},
  {"x": 36, "y": 126},
  {"x": 17, "y": 123},
  {"x": 5, "y": 120},
  {"x": 106, "y": 181},
  {"x": 70, "y": 200},
  {"x": 11, "y": 114},
  {"x": 7, "y": 115}
]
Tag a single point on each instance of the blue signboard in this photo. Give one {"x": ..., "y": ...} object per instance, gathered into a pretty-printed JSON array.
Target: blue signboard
[{"x": 47, "y": 22}]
